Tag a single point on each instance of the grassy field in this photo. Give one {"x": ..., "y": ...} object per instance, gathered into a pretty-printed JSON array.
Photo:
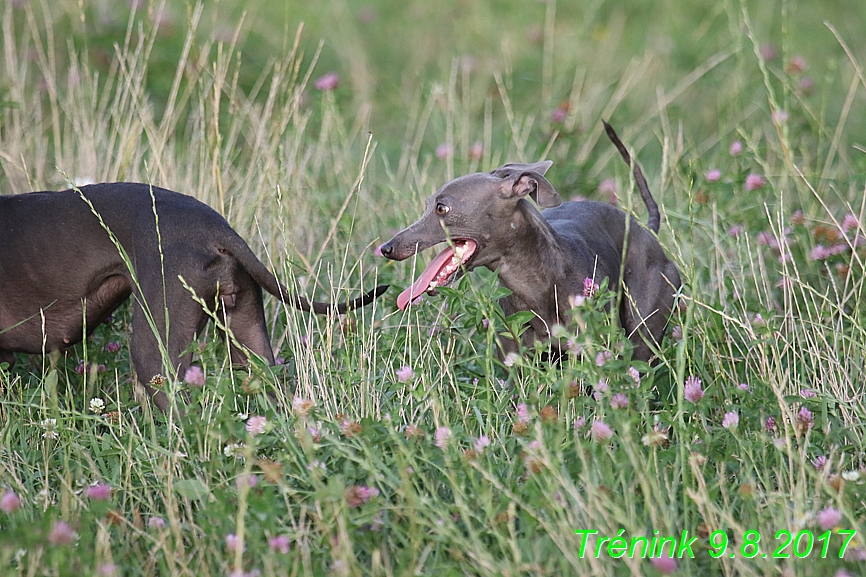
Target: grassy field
[{"x": 401, "y": 445}]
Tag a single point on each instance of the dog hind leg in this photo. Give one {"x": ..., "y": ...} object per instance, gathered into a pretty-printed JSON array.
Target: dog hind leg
[
  {"x": 151, "y": 349},
  {"x": 646, "y": 311},
  {"x": 241, "y": 302}
]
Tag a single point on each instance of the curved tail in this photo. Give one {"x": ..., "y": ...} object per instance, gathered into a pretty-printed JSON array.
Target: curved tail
[
  {"x": 654, "y": 219},
  {"x": 247, "y": 259},
  {"x": 301, "y": 302}
]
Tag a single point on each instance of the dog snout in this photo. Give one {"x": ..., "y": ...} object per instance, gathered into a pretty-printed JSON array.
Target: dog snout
[
  {"x": 409, "y": 241},
  {"x": 397, "y": 248}
]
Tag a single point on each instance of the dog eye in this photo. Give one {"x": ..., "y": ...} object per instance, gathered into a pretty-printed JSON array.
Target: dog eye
[{"x": 442, "y": 209}]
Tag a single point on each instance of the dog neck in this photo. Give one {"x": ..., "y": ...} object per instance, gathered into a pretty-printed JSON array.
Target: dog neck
[{"x": 531, "y": 266}]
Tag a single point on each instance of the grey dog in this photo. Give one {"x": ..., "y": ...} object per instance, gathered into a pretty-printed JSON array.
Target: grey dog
[
  {"x": 543, "y": 257},
  {"x": 63, "y": 271}
]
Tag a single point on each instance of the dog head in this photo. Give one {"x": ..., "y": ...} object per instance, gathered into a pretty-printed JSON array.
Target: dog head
[{"x": 475, "y": 215}]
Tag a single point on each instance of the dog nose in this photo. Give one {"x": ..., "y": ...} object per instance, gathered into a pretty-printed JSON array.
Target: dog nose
[{"x": 386, "y": 249}]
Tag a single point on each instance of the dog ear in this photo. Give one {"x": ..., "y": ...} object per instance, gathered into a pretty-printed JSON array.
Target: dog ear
[
  {"x": 514, "y": 168},
  {"x": 533, "y": 184}
]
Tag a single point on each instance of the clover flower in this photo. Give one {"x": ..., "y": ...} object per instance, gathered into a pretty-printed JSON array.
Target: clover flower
[
  {"x": 443, "y": 436},
  {"x": 731, "y": 420},
  {"x": 98, "y": 492},
  {"x": 10, "y": 502},
  {"x": 194, "y": 376},
  {"x": 405, "y": 374},
  {"x": 328, "y": 82},
  {"x": 600, "y": 431},
  {"x": 357, "y": 495},
  {"x": 256, "y": 425}
]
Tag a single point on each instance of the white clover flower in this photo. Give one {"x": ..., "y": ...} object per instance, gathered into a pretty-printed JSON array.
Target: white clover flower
[
  {"x": 97, "y": 405},
  {"x": 50, "y": 426},
  {"x": 851, "y": 475}
]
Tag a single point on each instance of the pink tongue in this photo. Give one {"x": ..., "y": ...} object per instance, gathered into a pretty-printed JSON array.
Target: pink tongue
[{"x": 419, "y": 287}]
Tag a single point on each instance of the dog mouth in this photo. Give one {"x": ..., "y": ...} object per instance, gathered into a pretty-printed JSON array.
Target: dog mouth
[{"x": 440, "y": 272}]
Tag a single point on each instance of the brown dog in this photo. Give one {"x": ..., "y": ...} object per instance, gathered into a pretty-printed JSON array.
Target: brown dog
[{"x": 63, "y": 270}]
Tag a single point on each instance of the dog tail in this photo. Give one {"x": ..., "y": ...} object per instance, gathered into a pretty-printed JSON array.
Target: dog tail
[
  {"x": 301, "y": 302},
  {"x": 247, "y": 259},
  {"x": 654, "y": 220}
]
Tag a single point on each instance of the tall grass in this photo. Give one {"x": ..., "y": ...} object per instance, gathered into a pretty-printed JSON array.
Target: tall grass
[{"x": 401, "y": 443}]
